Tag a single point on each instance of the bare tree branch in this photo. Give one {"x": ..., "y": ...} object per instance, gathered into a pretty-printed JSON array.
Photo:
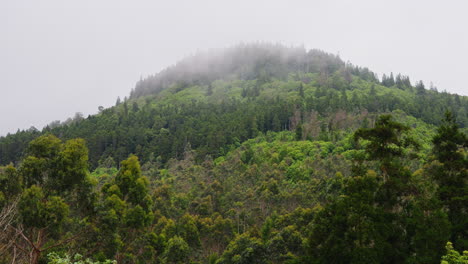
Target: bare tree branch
[
  {"x": 62, "y": 242},
  {"x": 9, "y": 235}
]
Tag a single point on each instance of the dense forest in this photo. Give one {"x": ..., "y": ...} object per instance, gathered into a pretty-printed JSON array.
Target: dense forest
[{"x": 258, "y": 153}]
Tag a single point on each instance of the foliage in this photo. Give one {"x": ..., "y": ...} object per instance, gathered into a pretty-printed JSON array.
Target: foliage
[
  {"x": 378, "y": 212},
  {"x": 279, "y": 156},
  {"x": 53, "y": 189},
  {"x": 54, "y": 258},
  {"x": 453, "y": 257},
  {"x": 450, "y": 149},
  {"x": 177, "y": 251},
  {"x": 267, "y": 88}
]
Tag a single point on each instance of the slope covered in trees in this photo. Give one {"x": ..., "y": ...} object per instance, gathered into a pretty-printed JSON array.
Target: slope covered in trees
[
  {"x": 254, "y": 154},
  {"x": 286, "y": 87}
]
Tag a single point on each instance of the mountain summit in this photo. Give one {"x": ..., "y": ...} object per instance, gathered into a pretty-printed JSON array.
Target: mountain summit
[
  {"x": 258, "y": 153},
  {"x": 218, "y": 98}
]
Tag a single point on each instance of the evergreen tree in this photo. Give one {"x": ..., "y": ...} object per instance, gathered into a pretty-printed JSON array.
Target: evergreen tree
[
  {"x": 301, "y": 90},
  {"x": 349, "y": 229},
  {"x": 391, "y": 80},
  {"x": 372, "y": 221},
  {"x": 450, "y": 149},
  {"x": 420, "y": 88},
  {"x": 299, "y": 132},
  {"x": 209, "y": 90},
  {"x": 276, "y": 123}
]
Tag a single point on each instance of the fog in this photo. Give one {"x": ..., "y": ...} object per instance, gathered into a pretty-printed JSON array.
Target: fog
[{"x": 61, "y": 57}]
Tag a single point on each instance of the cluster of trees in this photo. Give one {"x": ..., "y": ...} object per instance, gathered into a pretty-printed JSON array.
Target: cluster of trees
[
  {"x": 260, "y": 61},
  {"x": 45, "y": 197},
  {"x": 386, "y": 214},
  {"x": 402, "y": 82},
  {"x": 259, "y": 154},
  {"x": 274, "y": 199},
  {"x": 162, "y": 126}
]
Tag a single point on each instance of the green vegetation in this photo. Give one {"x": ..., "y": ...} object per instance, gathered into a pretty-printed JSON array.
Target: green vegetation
[
  {"x": 279, "y": 156},
  {"x": 453, "y": 257},
  {"x": 77, "y": 259},
  {"x": 265, "y": 88}
]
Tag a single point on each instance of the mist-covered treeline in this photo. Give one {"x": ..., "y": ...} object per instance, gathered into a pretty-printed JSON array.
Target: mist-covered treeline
[
  {"x": 243, "y": 62},
  {"x": 255, "y": 154},
  {"x": 219, "y": 99}
]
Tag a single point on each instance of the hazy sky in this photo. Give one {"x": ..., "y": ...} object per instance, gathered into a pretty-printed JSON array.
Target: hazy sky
[{"x": 58, "y": 57}]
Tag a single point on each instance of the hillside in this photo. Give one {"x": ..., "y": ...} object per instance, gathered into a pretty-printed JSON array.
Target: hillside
[
  {"x": 254, "y": 89},
  {"x": 258, "y": 153}
]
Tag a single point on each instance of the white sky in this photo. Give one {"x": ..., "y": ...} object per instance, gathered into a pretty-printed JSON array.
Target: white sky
[{"x": 58, "y": 57}]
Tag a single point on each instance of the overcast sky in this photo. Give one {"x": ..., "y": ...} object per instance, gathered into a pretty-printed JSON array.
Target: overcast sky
[{"x": 58, "y": 57}]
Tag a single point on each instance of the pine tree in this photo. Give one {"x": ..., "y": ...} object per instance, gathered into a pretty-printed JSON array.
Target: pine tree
[
  {"x": 299, "y": 132},
  {"x": 301, "y": 90},
  {"x": 209, "y": 90},
  {"x": 420, "y": 88},
  {"x": 276, "y": 123},
  {"x": 366, "y": 223},
  {"x": 450, "y": 149}
]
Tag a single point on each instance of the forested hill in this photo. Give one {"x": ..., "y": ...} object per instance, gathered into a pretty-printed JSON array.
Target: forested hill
[
  {"x": 243, "y": 62},
  {"x": 216, "y": 100},
  {"x": 255, "y": 154}
]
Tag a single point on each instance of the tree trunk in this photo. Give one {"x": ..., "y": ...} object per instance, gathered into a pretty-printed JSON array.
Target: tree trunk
[{"x": 35, "y": 254}]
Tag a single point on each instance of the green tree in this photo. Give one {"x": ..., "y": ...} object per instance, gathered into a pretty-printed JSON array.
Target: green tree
[
  {"x": 387, "y": 144},
  {"x": 301, "y": 90},
  {"x": 299, "y": 132},
  {"x": 426, "y": 221},
  {"x": 177, "y": 251},
  {"x": 376, "y": 219},
  {"x": 54, "y": 173},
  {"x": 125, "y": 213},
  {"x": 55, "y": 258},
  {"x": 420, "y": 88},
  {"x": 450, "y": 149},
  {"x": 188, "y": 230},
  {"x": 243, "y": 249},
  {"x": 453, "y": 257},
  {"x": 349, "y": 229},
  {"x": 276, "y": 123},
  {"x": 10, "y": 184},
  {"x": 209, "y": 90}
]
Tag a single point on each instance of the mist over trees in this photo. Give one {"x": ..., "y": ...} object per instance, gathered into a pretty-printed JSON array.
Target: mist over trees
[
  {"x": 248, "y": 89},
  {"x": 244, "y": 62},
  {"x": 258, "y": 153}
]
